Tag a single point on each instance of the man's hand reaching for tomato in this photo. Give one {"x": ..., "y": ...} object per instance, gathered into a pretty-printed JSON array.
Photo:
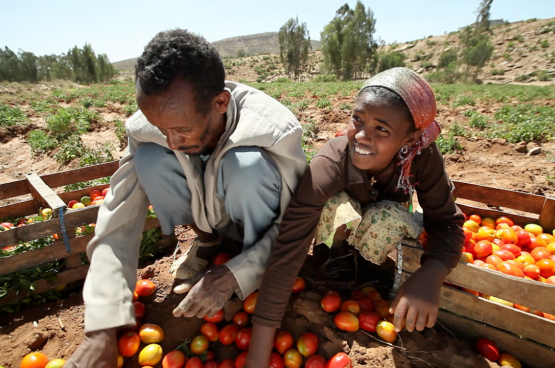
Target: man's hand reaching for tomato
[
  {"x": 417, "y": 302},
  {"x": 208, "y": 292}
]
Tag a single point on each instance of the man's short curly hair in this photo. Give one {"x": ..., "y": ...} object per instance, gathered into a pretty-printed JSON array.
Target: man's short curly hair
[{"x": 178, "y": 53}]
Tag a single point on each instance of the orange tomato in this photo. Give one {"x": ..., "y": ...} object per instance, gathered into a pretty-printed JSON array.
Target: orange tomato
[
  {"x": 501, "y": 226},
  {"x": 386, "y": 331},
  {"x": 330, "y": 303},
  {"x": 128, "y": 343},
  {"x": 210, "y": 330},
  {"x": 523, "y": 237},
  {"x": 150, "y": 333},
  {"x": 483, "y": 248},
  {"x": 489, "y": 222},
  {"x": 504, "y": 254},
  {"x": 382, "y": 307},
  {"x": 299, "y": 285},
  {"x": 551, "y": 248},
  {"x": 34, "y": 360},
  {"x": 547, "y": 267},
  {"x": 351, "y": 306},
  {"x": 200, "y": 344},
  {"x": 228, "y": 334},
  {"x": 490, "y": 266},
  {"x": 477, "y": 219},
  {"x": 485, "y": 234},
  {"x": 471, "y": 225},
  {"x": 532, "y": 271},
  {"x": 513, "y": 248},
  {"x": 548, "y": 238},
  {"x": 536, "y": 243},
  {"x": 174, "y": 359},
  {"x": 307, "y": 344},
  {"x": 494, "y": 260},
  {"x": 514, "y": 262},
  {"x": 283, "y": 341},
  {"x": 145, "y": 287},
  {"x": 550, "y": 280},
  {"x": 346, "y": 321},
  {"x": 467, "y": 257},
  {"x": 510, "y": 269},
  {"x": 292, "y": 359},
  {"x": 522, "y": 308},
  {"x": 217, "y": 317},
  {"x": 250, "y": 302},
  {"x": 507, "y": 359},
  {"x": 540, "y": 253},
  {"x": 467, "y": 234},
  {"x": 526, "y": 259},
  {"x": 504, "y": 219},
  {"x": 95, "y": 193},
  {"x": 509, "y": 236}
]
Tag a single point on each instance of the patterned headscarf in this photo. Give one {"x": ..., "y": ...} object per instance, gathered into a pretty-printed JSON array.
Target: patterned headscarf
[{"x": 420, "y": 99}]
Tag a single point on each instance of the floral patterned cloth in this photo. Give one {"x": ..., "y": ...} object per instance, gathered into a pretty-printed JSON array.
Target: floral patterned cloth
[{"x": 375, "y": 231}]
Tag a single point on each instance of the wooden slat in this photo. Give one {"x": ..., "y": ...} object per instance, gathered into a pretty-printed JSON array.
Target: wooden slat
[
  {"x": 529, "y": 353},
  {"x": 78, "y": 194},
  {"x": 53, "y": 252},
  {"x": 499, "y": 197},
  {"x": 509, "y": 319},
  {"x": 547, "y": 215},
  {"x": 43, "y": 195},
  {"x": 529, "y": 293},
  {"x": 14, "y": 189},
  {"x": 83, "y": 174},
  {"x": 18, "y": 209},
  {"x": 484, "y": 212}
]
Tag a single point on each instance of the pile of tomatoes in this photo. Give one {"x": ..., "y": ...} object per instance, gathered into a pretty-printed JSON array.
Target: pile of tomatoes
[
  {"x": 489, "y": 350},
  {"x": 500, "y": 245},
  {"x": 95, "y": 197}
]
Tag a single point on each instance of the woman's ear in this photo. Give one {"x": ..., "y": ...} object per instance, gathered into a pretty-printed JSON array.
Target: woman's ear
[{"x": 413, "y": 137}]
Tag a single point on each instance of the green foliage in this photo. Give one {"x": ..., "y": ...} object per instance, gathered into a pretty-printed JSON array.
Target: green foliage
[
  {"x": 542, "y": 75},
  {"x": 447, "y": 57},
  {"x": 448, "y": 75},
  {"x": 448, "y": 145},
  {"x": 498, "y": 72},
  {"x": 11, "y": 116},
  {"x": 431, "y": 42},
  {"x": 241, "y": 53},
  {"x": 41, "y": 142},
  {"x": 282, "y": 80},
  {"x": 544, "y": 44},
  {"x": 387, "y": 60},
  {"x": 87, "y": 102},
  {"x": 130, "y": 109},
  {"x": 323, "y": 103},
  {"x": 524, "y": 122},
  {"x": 478, "y": 121},
  {"x": 68, "y": 121},
  {"x": 323, "y": 78},
  {"x": 72, "y": 148},
  {"x": 94, "y": 156},
  {"x": 121, "y": 132},
  {"x": 457, "y": 130},
  {"x": 86, "y": 184},
  {"x": 345, "y": 106},
  {"x": 462, "y": 100},
  {"x": 43, "y": 105},
  {"x": 347, "y": 41},
  {"x": 149, "y": 249},
  {"x": 522, "y": 78},
  {"x": 294, "y": 44}
]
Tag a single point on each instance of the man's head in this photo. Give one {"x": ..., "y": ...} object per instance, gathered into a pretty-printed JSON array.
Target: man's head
[{"x": 180, "y": 90}]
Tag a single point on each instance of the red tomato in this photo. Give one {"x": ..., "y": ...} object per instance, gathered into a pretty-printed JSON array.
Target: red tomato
[
  {"x": 128, "y": 343},
  {"x": 483, "y": 248},
  {"x": 516, "y": 263},
  {"x": 240, "y": 360},
  {"x": 505, "y": 220},
  {"x": 250, "y": 303},
  {"x": 540, "y": 253},
  {"x": 476, "y": 218},
  {"x": 221, "y": 258},
  {"x": 210, "y": 330},
  {"x": 351, "y": 306},
  {"x": 299, "y": 285},
  {"x": 228, "y": 363},
  {"x": 537, "y": 243},
  {"x": 331, "y": 303},
  {"x": 369, "y": 320},
  {"x": 276, "y": 361},
  {"x": 510, "y": 269},
  {"x": 283, "y": 341},
  {"x": 95, "y": 193},
  {"x": 346, "y": 321},
  {"x": 145, "y": 287},
  {"x": 292, "y": 359},
  {"x": 209, "y": 356},
  {"x": 365, "y": 304},
  {"x": 550, "y": 280},
  {"x": 241, "y": 319},
  {"x": 151, "y": 333},
  {"x": 382, "y": 307},
  {"x": 357, "y": 295},
  {"x": 105, "y": 191},
  {"x": 504, "y": 254},
  {"x": 513, "y": 248},
  {"x": 531, "y": 271},
  {"x": 199, "y": 344},
  {"x": 333, "y": 292},
  {"x": 34, "y": 360},
  {"x": 174, "y": 359},
  {"x": 488, "y": 349},
  {"x": 218, "y": 317},
  {"x": 228, "y": 333},
  {"x": 139, "y": 310},
  {"x": 243, "y": 338},
  {"x": 307, "y": 344},
  {"x": 194, "y": 362},
  {"x": 315, "y": 361},
  {"x": 523, "y": 237},
  {"x": 211, "y": 364},
  {"x": 547, "y": 267},
  {"x": 386, "y": 331},
  {"x": 339, "y": 360},
  {"x": 340, "y": 132}
]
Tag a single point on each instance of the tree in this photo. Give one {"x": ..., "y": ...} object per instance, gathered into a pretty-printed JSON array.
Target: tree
[
  {"x": 482, "y": 16},
  {"x": 347, "y": 41},
  {"x": 294, "y": 43}
]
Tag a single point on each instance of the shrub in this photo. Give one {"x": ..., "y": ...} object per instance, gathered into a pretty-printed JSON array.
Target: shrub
[
  {"x": 70, "y": 149},
  {"x": 522, "y": 78},
  {"x": 11, "y": 116},
  {"x": 40, "y": 142},
  {"x": 87, "y": 102},
  {"x": 68, "y": 121},
  {"x": 447, "y": 57},
  {"x": 448, "y": 145},
  {"x": 544, "y": 44},
  {"x": 498, "y": 72},
  {"x": 388, "y": 60}
]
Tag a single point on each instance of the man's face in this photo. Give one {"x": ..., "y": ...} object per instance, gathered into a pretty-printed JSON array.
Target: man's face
[{"x": 174, "y": 113}]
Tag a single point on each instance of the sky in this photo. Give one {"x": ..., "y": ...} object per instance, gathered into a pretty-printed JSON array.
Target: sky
[{"x": 121, "y": 28}]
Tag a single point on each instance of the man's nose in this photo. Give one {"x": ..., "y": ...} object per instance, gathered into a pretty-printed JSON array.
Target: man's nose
[{"x": 174, "y": 140}]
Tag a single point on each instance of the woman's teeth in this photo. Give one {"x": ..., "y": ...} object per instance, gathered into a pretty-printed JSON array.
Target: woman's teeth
[{"x": 362, "y": 151}]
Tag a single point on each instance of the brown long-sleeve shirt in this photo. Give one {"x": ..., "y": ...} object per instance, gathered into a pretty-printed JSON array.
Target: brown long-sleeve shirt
[{"x": 332, "y": 171}]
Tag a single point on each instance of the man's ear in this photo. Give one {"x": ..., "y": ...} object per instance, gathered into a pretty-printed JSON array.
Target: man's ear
[
  {"x": 221, "y": 101},
  {"x": 414, "y": 137}
]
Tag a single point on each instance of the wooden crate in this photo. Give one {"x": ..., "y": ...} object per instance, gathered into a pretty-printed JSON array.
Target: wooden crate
[
  {"x": 527, "y": 336},
  {"x": 43, "y": 195}
]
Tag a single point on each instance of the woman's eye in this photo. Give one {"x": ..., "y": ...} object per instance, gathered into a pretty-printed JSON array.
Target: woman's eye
[
  {"x": 382, "y": 129},
  {"x": 356, "y": 118}
]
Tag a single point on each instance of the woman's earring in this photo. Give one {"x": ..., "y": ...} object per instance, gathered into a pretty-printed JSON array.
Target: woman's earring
[{"x": 404, "y": 150}]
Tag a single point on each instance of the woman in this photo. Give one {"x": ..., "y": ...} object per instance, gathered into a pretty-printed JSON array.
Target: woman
[{"x": 354, "y": 189}]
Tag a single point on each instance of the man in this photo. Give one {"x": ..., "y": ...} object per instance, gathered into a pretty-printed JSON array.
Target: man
[{"x": 219, "y": 156}]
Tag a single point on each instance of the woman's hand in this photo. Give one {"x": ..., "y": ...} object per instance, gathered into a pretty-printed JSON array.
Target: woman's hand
[
  {"x": 417, "y": 302},
  {"x": 260, "y": 350}
]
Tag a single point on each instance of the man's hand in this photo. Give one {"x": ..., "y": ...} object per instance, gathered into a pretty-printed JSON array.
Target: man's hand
[
  {"x": 99, "y": 349},
  {"x": 418, "y": 298},
  {"x": 209, "y": 291}
]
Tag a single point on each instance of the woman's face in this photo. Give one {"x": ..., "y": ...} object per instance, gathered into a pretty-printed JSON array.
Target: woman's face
[{"x": 376, "y": 132}]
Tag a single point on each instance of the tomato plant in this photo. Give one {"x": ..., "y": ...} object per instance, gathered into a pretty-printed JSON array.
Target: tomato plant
[
  {"x": 292, "y": 359},
  {"x": 351, "y": 306},
  {"x": 346, "y": 321},
  {"x": 241, "y": 319},
  {"x": 339, "y": 360},
  {"x": 145, "y": 287},
  {"x": 299, "y": 285},
  {"x": 386, "y": 331},
  {"x": 227, "y": 334},
  {"x": 34, "y": 360},
  {"x": 210, "y": 330},
  {"x": 315, "y": 361},
  {"x": 243, "y": 338},
  {"x": 250, "y": 302},
  {"x": 217, "y": 317},
  {"x": 128, "y": 343},
  {"x": 194, "y": 362},
  {"x": 283, "y": 341},
  {"x": 150, "y": 355},
  {"x": 151, "y": 333},
  {"x": 174, "y": 359},
  {"x": 368, "y": 320},
  {"x": 307, "y": 344},
  {"x": 331, "y": 303},
  {"x": 487, "y": 348},
  {"x": 199, "y": 344}
]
